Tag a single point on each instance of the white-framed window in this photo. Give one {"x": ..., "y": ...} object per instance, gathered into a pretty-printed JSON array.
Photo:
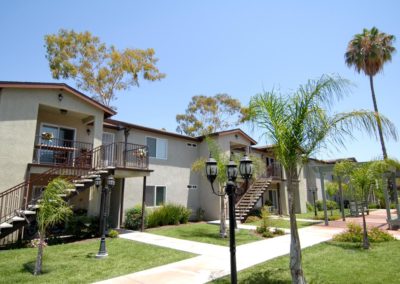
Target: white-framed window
[
  {"x": 158, "y": 147},
  {"x": 155, "y": 195}
]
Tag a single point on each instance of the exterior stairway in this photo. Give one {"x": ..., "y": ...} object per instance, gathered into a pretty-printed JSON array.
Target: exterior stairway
[
  {"x": 16, "y": 211},
  {"x": 250, "y": 198}
]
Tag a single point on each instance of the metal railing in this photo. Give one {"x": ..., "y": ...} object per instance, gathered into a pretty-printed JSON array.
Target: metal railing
[
  {"x": 54, "y": 151},
  {"x": 274, "y": 171},
  {"x": 121, "y": 155}
]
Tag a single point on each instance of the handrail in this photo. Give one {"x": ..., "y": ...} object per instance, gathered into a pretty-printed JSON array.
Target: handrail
[{"x": 118, "y": 155}]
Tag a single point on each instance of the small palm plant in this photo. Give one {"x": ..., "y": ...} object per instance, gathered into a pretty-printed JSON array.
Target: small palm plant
[{"x": 52, "y": 210}]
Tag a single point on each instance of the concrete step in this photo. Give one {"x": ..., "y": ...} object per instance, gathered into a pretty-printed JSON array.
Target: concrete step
[
  {"x": 5, "y": 225},
  {"x": 98, "y": 172},
  {"x": 86, "y": 180},
  {"x": 33, "y": 206},
  {"x": 17, "y": 219},
  {"x": 79, "y": 184},
  {"x": 90, "y": 176}
]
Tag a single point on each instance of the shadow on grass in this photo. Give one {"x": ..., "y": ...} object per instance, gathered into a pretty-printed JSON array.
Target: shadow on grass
[
  {"x": 272, "y": 276},
  {"x": 30, "y": 267},
  {"x": 346, "y": 246}
]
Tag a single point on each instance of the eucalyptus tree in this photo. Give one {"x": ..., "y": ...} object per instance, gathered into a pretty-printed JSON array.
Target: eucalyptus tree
[
  {"x": 208, "y": 114},
  {"x": 97, "y": 68},
  {"x": 298, "y": 125},
  {"x": 368, "y": 52},
  {"x": 52, "y": 210}
]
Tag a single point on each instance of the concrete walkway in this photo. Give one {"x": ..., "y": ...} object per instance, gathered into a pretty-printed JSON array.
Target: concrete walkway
[{"x": 214, "y": 261}]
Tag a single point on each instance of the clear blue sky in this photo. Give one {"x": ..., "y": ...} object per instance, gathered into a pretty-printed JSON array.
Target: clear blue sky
[{"x": 208, "y": 47}]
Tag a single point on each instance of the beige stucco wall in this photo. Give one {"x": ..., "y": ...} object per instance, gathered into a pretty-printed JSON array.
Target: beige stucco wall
[
  {"x": 19, "y": 113},
  {"x": 175, "y": 172}
]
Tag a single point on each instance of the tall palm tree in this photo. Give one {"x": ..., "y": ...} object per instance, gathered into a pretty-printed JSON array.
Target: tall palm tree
[
  {"x": 52, "y": 210},
  {"x": 368, "y": 52},
  {"x": 299, "y": 125}
]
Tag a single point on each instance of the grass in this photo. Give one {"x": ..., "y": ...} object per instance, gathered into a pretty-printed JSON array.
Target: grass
[
  {"x": 331, "y": 262},
  {"x": 205, "y": 233},
  {"x": 281, "y": 223},
  {"x": 76, "y": 262},
  {"x": 320, "y": 214}
]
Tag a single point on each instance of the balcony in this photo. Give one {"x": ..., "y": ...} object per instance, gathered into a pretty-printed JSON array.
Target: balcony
[
  {"x": 54, "y": 151},
  {"x": 274, "y": 171}
]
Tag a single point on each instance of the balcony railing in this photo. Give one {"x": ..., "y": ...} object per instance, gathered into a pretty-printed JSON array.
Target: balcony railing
[
  {"x": 54, "y": 151},
  {"x": 274, "y": 171},
  {"x": 121, "y": 155}
]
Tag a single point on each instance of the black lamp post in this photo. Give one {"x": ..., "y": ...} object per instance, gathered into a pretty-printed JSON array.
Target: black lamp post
[
  {"x": 313, "y": 191},
  {"x": 103, "y": 213},
  {"x": 246, "y": 171}
]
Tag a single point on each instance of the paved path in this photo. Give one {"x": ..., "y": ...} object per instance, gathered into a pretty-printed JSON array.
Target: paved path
[{"x": 214, "y": 262}]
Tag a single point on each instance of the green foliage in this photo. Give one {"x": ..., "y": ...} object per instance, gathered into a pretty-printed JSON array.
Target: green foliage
[
  {"x": 279, "y": 232},
  {"x": 113, "y": 234},
  {"x": 330, "y": 205},
  {"x": 354, "y": 234},
  {"x": 310, "y": 207},
  {"x": 369, "y": 51},
  {"x": 200, "y": 214},
  {"x": 97, "y": 68},
  {"x": 205, "y": 115},
  {"x": 133, "y": 218},
  {"x": 83, "y": 226},
  {"x": 168, "y": 214},
  {"x": 265, "y": 221},
  {"x": 252, "y": 219},
  {"x": 53, "y": 208}
]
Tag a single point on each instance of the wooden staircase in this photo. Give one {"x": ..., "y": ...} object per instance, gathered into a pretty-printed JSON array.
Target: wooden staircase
[{"x": 250, "y": 198}]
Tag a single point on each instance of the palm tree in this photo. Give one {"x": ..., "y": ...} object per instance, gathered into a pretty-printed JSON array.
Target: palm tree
[
  {"x": 368, "y": 52},
  {"x": 299, "y": 125},
  {"x": 52, "y": 210}
]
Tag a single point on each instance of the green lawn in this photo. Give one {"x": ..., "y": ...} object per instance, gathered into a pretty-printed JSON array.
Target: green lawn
[
  {"x": 76, "y": 262},
  {"x": 205, "y": 233},
  {"x": 331, "y": 262},
  {"x": 281, "y": 223},
  {"x": 320, "y": 214}
]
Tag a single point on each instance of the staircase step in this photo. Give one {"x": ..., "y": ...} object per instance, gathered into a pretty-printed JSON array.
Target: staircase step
[
  {"x": 98, "y": 172},
  {"x": 82, "y": 180},
  {"x": 90, "y": 176},
  {"x": 79, "y": 184},
  {"x": 17, "y": 219},
  {"x": 5, "y": 225},
  {"x": 70, "y": 190},
  {"x": 33, "y": 206},
  {"x": 62, "y": 195},
  {"x": 26, "y": 212}
]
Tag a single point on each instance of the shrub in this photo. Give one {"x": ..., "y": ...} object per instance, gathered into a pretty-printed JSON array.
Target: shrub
[
  {"x": 133, "y": 218},
  {"x": 279, "y": 232},
  {"x": 200, "y": 214},
  {"x": 169, "y": 214},
  {"x": 83, "y": 226},
  {"x": 268, "y": 234},
  {"x": 310, "y": 207},
  {"x": 330, "y": 205},
  {"x": 255, "y": 212},
  {"x": 112, "y": 234},
  {"x": 376, "y": 235},
  {"x": 265, "y": 221},
  {"x": 252, "y": 219},
  {"x": 354, "y": 234}
]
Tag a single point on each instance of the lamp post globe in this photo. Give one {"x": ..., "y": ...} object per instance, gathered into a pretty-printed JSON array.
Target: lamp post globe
[
  {"x": 231, "y": 171},
  {"x": 211, "y": 169},
  {"x": 246, "y": 168}
]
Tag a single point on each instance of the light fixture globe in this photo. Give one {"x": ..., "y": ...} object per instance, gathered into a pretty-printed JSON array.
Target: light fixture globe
[
  {"x": 97, "y": 181},
  {"x": 110, "y": 181},
  {"x": 211, "y": 169},
  {"x": 246, "y": 167},
  {"x": 231, "y": 171}
]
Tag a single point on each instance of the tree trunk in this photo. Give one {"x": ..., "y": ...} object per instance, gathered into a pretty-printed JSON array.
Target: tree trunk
[
  {"x": 378, "y": 120},
  {"x": 222, "y": 225},
  {"x": 365, "y": 234},
  {"x": 295, "y": 248},
  {"x": 38, "y": 265}
]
